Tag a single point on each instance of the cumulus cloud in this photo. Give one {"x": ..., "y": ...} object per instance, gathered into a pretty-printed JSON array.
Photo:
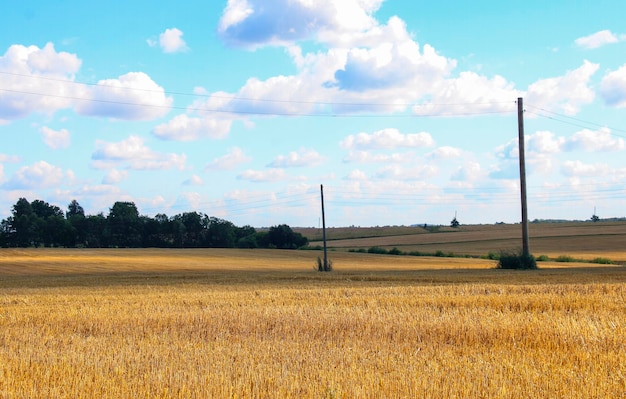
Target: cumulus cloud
[
  {"x": 115, "y": 176},
  {"x": 259, "y": 176},
  {"x": 397, "y": 172},
  {"x": 234, "y": 158},
  {"x": 186, "y": 128},
  {"x": 256, "y": 23},
  {"x": 133, "y": 96},
  {"x": 36, "y": 80},
  {"x": 303, "y": 157},
  {"x": 568, "y": 92},
  {"x": 369, "y": 157},
  {"x": 543, "y": 142},
  {"x": 387, "y": 139},
  {"x": 375, "y": 68},
  {"x": 394, "y": 62},
  {"x": 55, "y": 139},
  {"x": 613, "y": 88},
  {"x": 194, "y": 180},
  {"x": 445, "y": 152},
  {"x": 133, "y": 153},
  {"x": 171, "y": 41},
  {"x": 580, "y": 169},
  {"x": 9, "y": 158},
  {"x": 357, "y": 175},
  {"x": 38, "y": 175},
  {"x": 598, "y": 39},
  {"x": 470, "y": 93},
  {"x": 594, "y": 141},
  {"x": 469, "y": 172}
]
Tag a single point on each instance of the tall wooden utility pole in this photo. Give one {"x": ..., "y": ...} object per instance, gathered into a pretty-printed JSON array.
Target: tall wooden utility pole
[
  {"x": 522, "y": 175},
  {"x": 324, "y": 229}
]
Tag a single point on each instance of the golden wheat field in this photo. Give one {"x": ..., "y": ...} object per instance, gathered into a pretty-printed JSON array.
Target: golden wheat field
[{"x": 264, "y": 324}]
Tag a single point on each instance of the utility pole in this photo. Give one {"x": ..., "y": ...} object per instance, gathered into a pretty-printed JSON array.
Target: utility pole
[
  {"x": 326, "y": 268},
  {"x": 522, "y": 175}
]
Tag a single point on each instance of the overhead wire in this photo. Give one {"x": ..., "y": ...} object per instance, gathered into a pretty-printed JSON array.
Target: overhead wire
[{"x": 238, "y": 207}]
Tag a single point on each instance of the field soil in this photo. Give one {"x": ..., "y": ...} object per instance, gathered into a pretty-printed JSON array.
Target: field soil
[{"x": 581, "y": 240}]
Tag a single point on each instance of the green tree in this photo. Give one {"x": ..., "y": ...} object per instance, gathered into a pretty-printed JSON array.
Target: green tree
[
  {"x": 220, "y": 233},
  {"x": 75, "y": 215},
  {"x": 283, "y": 237},
  {"x": 22, "y": 226},
  {"x": 125, "y": 225}
]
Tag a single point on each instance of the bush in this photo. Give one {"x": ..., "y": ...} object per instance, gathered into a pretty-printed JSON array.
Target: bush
[
  {"x": 543, "y": 258},
  {"x": 516, "y": 260},
  {"x": 395, "y": 251},
  {"x": 565, "y": 258},
  {"x": 493, "y": 256},
  {"x": 377, "y": 250},
  {"x": 603, "y": 261}
]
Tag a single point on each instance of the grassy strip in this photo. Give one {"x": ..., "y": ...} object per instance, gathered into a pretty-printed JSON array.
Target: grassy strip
[{"x": 491, "y": 255}]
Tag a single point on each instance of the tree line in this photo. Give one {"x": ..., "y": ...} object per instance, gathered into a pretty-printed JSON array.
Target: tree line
[{"x": 40, "y": 224}]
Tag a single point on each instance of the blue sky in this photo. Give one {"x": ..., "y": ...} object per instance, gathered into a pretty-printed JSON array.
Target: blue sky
[{"x": 405, "y": 111}]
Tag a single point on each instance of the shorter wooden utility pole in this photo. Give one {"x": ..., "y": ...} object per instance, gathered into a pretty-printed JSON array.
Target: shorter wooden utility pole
[{"x": 325, "y": 267}]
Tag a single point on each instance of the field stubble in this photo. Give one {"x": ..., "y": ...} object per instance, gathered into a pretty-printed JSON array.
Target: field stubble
[{"x": 219, "y": 323}]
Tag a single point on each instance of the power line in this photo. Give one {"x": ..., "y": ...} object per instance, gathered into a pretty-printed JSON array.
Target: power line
[
  {"x": 261, "y": 100},
  {"x": 571, "y": 120}
]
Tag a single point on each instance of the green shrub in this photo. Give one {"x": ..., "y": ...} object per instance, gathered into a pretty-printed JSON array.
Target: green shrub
[
  {"x": 543, "y": 258},
  {"x": 377, "y": 250},
  {"x": 603, "y": 261},
  {"x": 565, "y": 258},
  {"x": 395, "y": 251},
  {"x": 493, "y": 256},
  {"x": 516, "y": 260}
]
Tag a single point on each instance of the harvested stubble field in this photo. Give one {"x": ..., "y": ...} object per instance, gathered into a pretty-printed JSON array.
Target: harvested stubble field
[
  {"x": 262, "y": 323},
  {"x": 582, "y": 240}
]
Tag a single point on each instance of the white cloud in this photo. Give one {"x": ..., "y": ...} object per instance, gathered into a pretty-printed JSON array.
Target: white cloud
[
  {"x": 397, "y": 172},
  {"x": 369, "y": 157},
  {"x": 194, "y": 180},
  {"x": 36, "y": 80},
  {"x": 357, "y": 175},
  {"x": 185, "y": 128},
  {"x": 115, "y": 176},
  {"x": 568, "y": 92},
  {"x": 133, "y": 96},
  {"x": 380, "y": 69},
  {"x": 471, "y": 171},
  {"x": 580, "y": 169},
  {"x": 597, "y": 39},
  {"x": 171, "y": 41},
  {"x": 136, "y": 155},
  {"x": 55, "y": 139},
  {"x": 613, "y": 88},
  {"x": 387, "y": 139},
  {"x": 543, "y": 142},
  {"x": 445, "y": 152},
  {"x": 234, "y": 158},
  {"x": 256, "y": 23},
  {"x": 468, "y": 94},
  {"x": 257, "y": 176},
  {"x": 9, "y": 158},
  {"x": 394, "y": 62},
  {"x": 303, "y": 157},
  {"x": 594, "y": 141},
  {"x": 39, "y": 175}
]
